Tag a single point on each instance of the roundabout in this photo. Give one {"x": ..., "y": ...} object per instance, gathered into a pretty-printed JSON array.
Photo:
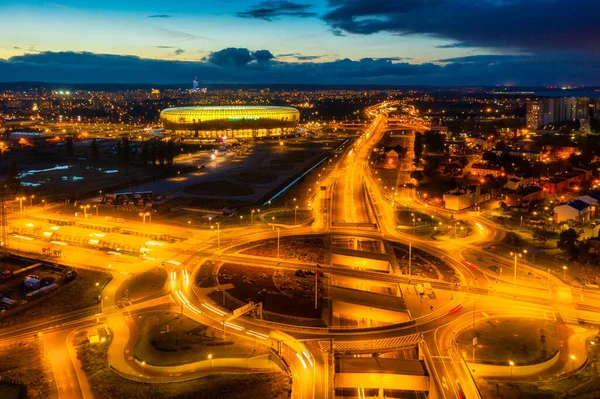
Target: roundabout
[{"x": 340, "y": 304}]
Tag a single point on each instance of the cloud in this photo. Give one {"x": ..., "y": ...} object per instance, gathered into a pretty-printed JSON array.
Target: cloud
[
  {"x": 160, "y": 16},
  {"x": 180, "y": 35},
  {"x": 300, "y": 57},
  {"x": 455, "y": 45},
  {"x": 165, "y": 47},
  {"x": 238, "y": 57},
  {"x": 179, "y": 51},
  {"x": 531, "y": 25},
  {"x": 241, "y": 65},
  {"x": 274, "y": 9}
]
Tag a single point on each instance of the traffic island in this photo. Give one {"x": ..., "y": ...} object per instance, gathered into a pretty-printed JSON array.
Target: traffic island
[
  {"x": 144, "y": 285},
  {"x": 583, "y": 382},
  {"x": 500, "y": 341},
  {"x": 169, "y": 339},
  {"x": 287, "y": 296},
  {"x": 106, "y": 382}
]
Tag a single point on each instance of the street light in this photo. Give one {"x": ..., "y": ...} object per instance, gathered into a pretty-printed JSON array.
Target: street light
[
  {"x": 20, "y": 199},
  {"x": 278, "y": 245},
  {"x": 96, "y": 207},
  {"x": 241, "y": 218},
  {"x": 31, "y": 200},
  {"x": 516, "y": 255},
  {"x": 573, "y": 362},
  {"x": 295, "y": 209},
  {"x": 512, "y": 364},
  {"x": 565, "y": 272},
  {"x": 144, "y": 214},
  {"x": 85, "y": 208}
]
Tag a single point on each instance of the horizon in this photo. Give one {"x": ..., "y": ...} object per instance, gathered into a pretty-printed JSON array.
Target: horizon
[{"x": 442, "y": 42}]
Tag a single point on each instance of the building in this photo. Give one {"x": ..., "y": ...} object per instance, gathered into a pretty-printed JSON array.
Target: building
[
  {"x": 391, "y": 160},
  {"x": 524, "y": 195},
  {"x": 556, "y": 109},
  {"x": 231, "y": 121},
  {"x": 534, "y": 115},
  {"x": 576, "y": 210},
  {"x": 464, "y": 197},
  {"x": 484, "y": 169}
]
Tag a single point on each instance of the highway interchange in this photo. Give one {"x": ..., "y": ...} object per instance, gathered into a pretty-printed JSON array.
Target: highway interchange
[{"x": 352, "y": 203}]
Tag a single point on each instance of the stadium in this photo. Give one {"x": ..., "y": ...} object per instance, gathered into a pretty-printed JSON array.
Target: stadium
[{"x": 231, "y": 121}]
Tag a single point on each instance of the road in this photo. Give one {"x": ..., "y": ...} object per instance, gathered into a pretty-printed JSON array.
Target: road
[{"x": 353, "y": 203}]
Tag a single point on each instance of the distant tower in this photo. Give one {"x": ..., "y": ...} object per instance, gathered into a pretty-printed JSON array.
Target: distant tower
[{"x": 195, "y": 84}]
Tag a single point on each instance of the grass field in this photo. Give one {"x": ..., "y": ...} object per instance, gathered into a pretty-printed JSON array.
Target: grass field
[
  {"x": 107, "y": 385},
  {"x": 220, "y": 188},
  {"x": 254, "y": 178}
]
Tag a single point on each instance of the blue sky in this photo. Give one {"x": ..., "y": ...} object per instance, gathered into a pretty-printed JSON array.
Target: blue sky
[{"x": 309, "y": 41}]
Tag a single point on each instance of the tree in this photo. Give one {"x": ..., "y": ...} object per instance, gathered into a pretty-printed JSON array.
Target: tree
[
  {"x": 126, "y": 149},
  {"x": 13, "y": 182},
  {"x": 170, "y": 152},
  {"x": 417, "y": 175},
  {"x": 542, "y": 235},
  {"x": 434, "y": 141},
  {"x": 567, "y": 240},
  {"x": 153, "y": 154},
  {"x": 145, "y": 152},
  {"x": 95, "y": 151},
  {"x": 70, "y": 148},
  {"x": 418, "y": 147},
  {"x": 119, "y": 152}
]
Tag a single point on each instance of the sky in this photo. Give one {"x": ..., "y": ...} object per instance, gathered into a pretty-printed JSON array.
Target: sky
[{"x": 424, "y": 42}]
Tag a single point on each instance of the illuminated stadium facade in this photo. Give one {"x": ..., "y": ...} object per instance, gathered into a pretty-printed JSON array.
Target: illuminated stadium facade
[{"x": 232, "y": 121}]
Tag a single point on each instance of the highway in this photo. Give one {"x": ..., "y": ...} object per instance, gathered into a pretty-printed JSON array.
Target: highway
[{"x": 353, "y": 203}]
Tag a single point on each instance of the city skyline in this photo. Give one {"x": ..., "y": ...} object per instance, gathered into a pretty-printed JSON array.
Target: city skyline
[{"x": 445, "y": 42}]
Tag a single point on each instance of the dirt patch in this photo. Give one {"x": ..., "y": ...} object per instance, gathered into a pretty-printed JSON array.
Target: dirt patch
[
  {"x": 220, "y": 188},
  {"x": 107, "y": 385},
  {"x": 286, "y": 294},
  {"x": 523, "y": 341},
  {"x": 26, "y": 362},
  {"x": 81, "y": 293},
  {"x": 308, "y": 250}
]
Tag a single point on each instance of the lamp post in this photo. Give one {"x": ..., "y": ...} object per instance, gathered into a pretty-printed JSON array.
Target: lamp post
[
  {"x": 241, "y": 219},
  {"x": 144, "y": 214},
  {"x": 96, "y": 207},
  {"x": 516, "y": 255},
  {"x": 252, "y": 217},
  {"x": 31, "y": 200},
  {"x": 565, "y": 272},
  {"x": 572, "y": 362},
  {"x": 44, "y": 205},
  {"x": 85, "y": 208},
  {"x": 278, "y": 245},
  {"x": 21, "y": 205},
  {"x": 512, "y": 364},
  {"x": 295, "y": 210}
]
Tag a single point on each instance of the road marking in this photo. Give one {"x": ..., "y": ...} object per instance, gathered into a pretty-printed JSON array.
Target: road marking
[{"x": 485, "y": 315}]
